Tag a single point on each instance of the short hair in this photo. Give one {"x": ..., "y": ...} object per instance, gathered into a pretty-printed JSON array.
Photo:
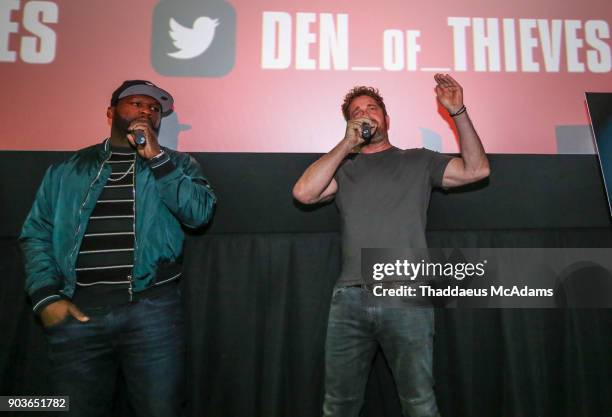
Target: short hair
[{"x": 358, "y": 91}]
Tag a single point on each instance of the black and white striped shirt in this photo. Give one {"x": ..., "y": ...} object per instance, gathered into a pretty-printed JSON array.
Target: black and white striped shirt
[{"x": 106, "y": 257}]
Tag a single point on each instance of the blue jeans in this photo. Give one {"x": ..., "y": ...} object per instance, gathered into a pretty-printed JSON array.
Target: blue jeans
[
  {"x": 143, "y": 340},
  {"x": 358, "y": 323}
]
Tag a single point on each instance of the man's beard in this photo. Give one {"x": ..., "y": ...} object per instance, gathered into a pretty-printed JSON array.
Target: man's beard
[{"x": 379, "y": 135}]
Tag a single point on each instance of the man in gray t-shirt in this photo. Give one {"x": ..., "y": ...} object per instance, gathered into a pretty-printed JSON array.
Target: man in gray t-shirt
[
  {"x": 382, "y": 194},
  {"x": 383, "y": 198}
]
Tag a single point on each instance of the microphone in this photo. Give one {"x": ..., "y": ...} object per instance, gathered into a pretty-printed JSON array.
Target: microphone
[
  {"x": 366, "y": 132},
  {"x": 139, "y": 137}
]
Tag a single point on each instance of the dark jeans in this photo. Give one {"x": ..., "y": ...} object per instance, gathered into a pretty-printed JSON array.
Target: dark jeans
[
  {"x": 143, "y": 340},
  {"x": 358, "y": 323}
]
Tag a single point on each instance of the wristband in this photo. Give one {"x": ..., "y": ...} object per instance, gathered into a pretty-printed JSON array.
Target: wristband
[
  {"x": 159, "y": 155},
  {"x": 458, "y": 112}
]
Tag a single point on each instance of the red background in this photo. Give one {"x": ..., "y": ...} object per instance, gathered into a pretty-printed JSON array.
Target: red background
[{"x": 61, "y": 105}]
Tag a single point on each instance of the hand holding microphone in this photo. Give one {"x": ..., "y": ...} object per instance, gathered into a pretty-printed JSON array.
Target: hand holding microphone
[
  {"x": 139, "y": 137},
  {"x": 360, "y": 131},
  {"x": 143, "y": 137},
  {"x": 366, "y": 133}
]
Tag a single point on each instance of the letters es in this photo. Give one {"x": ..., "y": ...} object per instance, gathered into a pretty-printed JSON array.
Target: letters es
[{"x": 37, "y": 42}]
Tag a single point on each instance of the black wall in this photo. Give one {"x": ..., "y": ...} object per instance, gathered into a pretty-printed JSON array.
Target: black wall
[{"x": 254, "y": 190}]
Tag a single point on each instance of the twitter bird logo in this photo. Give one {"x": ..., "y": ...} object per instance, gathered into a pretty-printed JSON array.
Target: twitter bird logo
[
  {"x": 192, "y": 42},
  {"x": 193, "y": 38}
]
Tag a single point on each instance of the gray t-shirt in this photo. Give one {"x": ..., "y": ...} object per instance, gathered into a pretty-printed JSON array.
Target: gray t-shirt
[{"x": 383, "y": 198}]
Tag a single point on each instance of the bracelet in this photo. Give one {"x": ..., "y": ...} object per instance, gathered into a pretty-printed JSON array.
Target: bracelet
[{"x": 458, "y": 112}]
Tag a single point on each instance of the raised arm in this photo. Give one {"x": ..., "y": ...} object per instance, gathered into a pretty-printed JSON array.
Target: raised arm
[{"x": 473, "y": 164}]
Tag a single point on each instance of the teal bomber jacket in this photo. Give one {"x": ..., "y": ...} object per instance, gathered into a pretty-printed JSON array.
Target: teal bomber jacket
[{"x": 170, "y": 192}]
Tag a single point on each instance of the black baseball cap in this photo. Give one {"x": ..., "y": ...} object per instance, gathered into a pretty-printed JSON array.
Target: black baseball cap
[{"x": 145, "y": 88}]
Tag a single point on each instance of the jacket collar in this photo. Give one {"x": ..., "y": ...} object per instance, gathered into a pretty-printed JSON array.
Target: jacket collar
[{"x": 105, "y": 151}]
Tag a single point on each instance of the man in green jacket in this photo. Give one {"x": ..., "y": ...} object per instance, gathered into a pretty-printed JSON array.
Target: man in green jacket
[{"x": 103, "y": 248}]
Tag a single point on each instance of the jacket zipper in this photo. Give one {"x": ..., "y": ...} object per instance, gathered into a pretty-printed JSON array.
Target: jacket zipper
[
  {"x": 78, "y": 231},
  {"x": 130, "y": 277},
  {"x": 130, "y": 290}
]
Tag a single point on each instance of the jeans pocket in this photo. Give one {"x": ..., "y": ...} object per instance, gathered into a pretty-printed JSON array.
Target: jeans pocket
[
  {"x": 169, "y": 299},
  {"x": 338, "y": 291}
]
